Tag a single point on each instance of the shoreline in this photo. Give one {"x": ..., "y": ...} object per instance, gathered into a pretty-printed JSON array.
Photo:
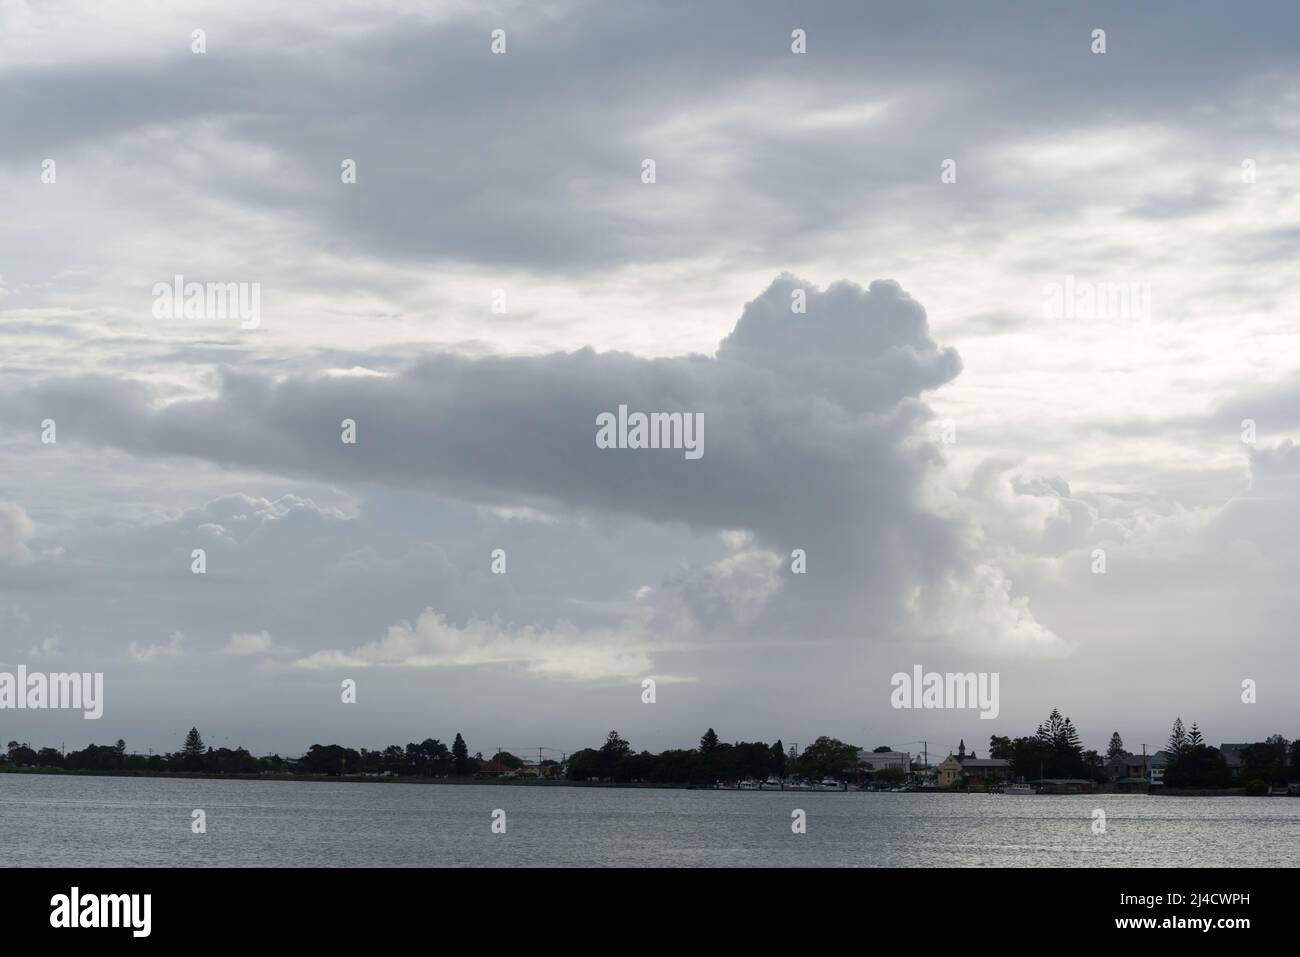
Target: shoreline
[{"x": 552, "y": 783}]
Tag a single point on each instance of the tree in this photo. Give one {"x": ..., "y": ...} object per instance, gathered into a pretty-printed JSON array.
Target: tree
[
  {"x": 889, "y": 776},
  {"x": 1265, "y": 761},
  {"x": 709, "y": 742},
  {"x": 611, "y": 753},
  {"x": 192, "y": 751},
  {"x": 1197, "y": 767},
  {"x": 1095, "y": 765},
  {"x": 429, "y": 758},
  {"x": 330, "y": 759},
  {"x": 828, "y": 757},
  {"x": 1000, "y": 747},
  {"x": 883, "y": 749},
  {"x": 193, "y": 743},
  {"x": 776, "y": 760},
  {"x": 1051, "y": 730},
  {"x": 583, "y": 765},
  {"x": 508, "y": 759},
  {"x": 1116, "y": 747},
  {"x": 459, "y": 757},
  {"x": 1061, "y": 753},
  {"x": 615, "y": 745},
  {"x": 1194, "y": 739},
  {"x": 1177, "y": 738},
  {"x": 22, "y": 754}
]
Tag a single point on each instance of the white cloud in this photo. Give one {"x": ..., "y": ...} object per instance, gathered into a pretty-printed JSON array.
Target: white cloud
[
  {"x": 562, "y": 651},
  {"x": 145, "y": 654},
  {"x": 16, "y": 530},
  {"x": 251, "y": 643}
]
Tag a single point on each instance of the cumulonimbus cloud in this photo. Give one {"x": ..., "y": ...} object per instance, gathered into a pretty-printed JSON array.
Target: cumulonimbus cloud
[{"x": 812, "y": 441}]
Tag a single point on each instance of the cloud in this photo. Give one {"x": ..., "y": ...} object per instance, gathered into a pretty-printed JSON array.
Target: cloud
[
  {"x": 49, "y": 648},
  {"x": 476, "y": 427},
  {"x": 562, "y": 652},
  {"x": 251, "y": 643},
  {"x": 16, "y": 530},
  {"x": 810, "y": 442},
  {"x": 147, "y": 654}
]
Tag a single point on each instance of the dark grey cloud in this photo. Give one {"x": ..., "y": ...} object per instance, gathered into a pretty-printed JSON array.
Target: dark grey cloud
[
  {"x": 810, "y": 423},
  {"x": 532, "y": 158}
]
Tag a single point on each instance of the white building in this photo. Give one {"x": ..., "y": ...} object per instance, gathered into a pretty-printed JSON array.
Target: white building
[{"x": 879, "y": 760}]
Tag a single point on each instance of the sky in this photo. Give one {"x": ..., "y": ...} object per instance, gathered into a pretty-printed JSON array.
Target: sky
[{"x": 1035, "y": 416}]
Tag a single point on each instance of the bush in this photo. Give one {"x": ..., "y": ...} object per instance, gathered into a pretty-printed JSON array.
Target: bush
[{"x": 1256, "y": 786}]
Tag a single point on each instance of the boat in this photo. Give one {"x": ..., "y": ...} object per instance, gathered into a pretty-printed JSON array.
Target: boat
[
  {"x": 828, "y": 784},
  {"x": 1018, "y": 789},
  {"x": 773, "y": 782}
]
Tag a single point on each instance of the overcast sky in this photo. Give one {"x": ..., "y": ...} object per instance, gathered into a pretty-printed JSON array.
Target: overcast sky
[{"x": 947, "y": 447}]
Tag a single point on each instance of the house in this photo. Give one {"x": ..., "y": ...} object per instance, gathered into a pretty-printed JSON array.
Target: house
[
  {"x": 880, "y": 760},
  {"x": 496, "y": 769},
  {"x": 1127, "y": 767},
  {"x": 1156, "y": 765},
  {"x": 976, "y": 770},
  {"x": 1234, "y": 758},
  {"x": 949, "y": 771},
  {"x": 986, "y": 770}
]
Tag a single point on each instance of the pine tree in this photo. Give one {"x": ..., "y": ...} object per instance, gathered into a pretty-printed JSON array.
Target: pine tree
[
  {"x": 193, "y": 751},
  {"x": 1194, "y": 739},
  {"x": 1050, "y": 731},
  {"x": 1064, "y": 752},
  {"x": 459, "y": 756},
  {"x": 1177, "y": 738},
  {"x": 709, "y": 742},
  {"x": 1116, "y": 749},
  {"x": 1068, "y": 739},
  {"x": 194, "y": 746}
]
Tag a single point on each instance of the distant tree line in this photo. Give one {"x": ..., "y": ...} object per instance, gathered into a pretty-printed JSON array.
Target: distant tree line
[
  {"x": 715, "y": 760},
  {"x": 1194, "y": 764},
  {"x": 1191, "y": 762},
  {"x": 429, "y": 758},
  {"x": 1053, "y": 751}
]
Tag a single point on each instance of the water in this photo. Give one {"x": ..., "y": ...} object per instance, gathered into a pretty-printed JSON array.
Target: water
[{"x": 48, "y": 820}]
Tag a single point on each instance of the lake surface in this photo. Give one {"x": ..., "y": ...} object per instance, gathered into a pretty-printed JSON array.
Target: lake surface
[{"x": 48, "y": 820}]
